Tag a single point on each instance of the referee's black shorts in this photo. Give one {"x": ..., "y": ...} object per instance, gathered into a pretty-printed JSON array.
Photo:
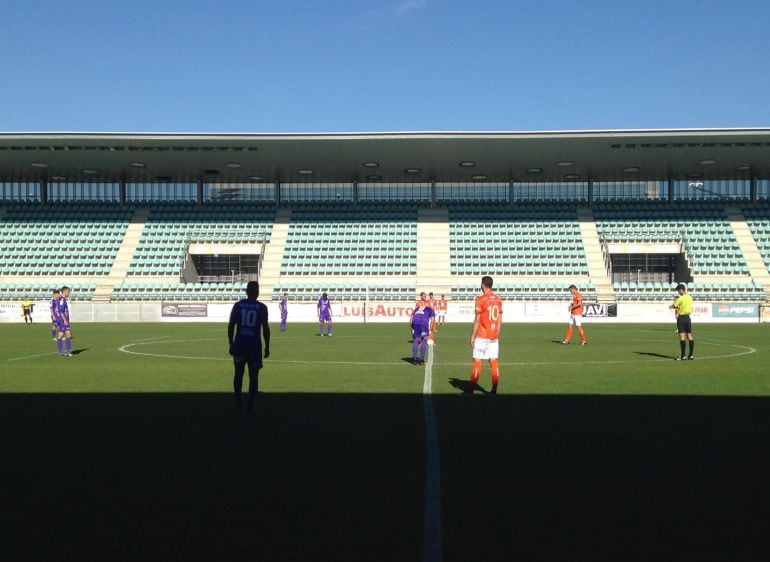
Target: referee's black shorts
[{"x": 684, "y": 324}]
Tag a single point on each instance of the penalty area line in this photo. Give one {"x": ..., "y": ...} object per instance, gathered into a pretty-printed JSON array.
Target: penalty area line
[{"x": 32, "y": 356}]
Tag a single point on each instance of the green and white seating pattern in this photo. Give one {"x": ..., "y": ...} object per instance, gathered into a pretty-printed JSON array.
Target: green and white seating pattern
[
  {"x": 351, "y": 242},
  {"x": 532, "y": 240},
  {"x": 703, "y": 225},
  {"x": 162, "y": 291},
  {"x": 37, "y": 290},
  {"x": 61, "y": 239},
  {"x": 345, "y": 291},
  {"x": 168, "y": 230},
  {"x": 527, "y": 291},
  {"x": 707, "y": 291}
]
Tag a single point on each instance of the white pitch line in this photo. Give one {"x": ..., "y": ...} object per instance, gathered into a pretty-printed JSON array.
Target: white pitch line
[
  {"x": 432, "y": 541},
  {"x": 33, "y": 356}
]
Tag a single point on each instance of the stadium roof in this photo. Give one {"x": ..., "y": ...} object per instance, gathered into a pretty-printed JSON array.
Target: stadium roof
[{"x": 398, "y": 157}]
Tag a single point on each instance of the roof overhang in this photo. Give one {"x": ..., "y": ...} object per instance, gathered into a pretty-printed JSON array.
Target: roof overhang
[{"x": 397, "y": 157}]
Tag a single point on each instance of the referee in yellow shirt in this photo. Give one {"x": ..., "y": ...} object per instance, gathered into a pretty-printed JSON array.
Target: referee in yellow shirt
[
  {"x": 683, "y": 307},
  {"x": 26, "y": 310}
]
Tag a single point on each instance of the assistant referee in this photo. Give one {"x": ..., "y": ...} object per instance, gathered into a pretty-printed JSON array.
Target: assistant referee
[{"x": 683, "y": 306}]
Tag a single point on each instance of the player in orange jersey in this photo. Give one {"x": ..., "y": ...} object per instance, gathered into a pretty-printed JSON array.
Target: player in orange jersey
[
  {"x": 575, "y": 316},
  {"x": 485, "y": 335},
  {"x": 441, "y": 311}
]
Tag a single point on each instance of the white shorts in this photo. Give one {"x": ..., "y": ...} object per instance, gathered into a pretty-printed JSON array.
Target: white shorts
[
  {"x": 484, "y": 348},
  {"x": 441, "y": 315},
  {"x": 576, "y": 319}
]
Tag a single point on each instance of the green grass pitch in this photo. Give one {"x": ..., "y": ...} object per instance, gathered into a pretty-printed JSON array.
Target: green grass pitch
[{"x": 131, "y": 449}]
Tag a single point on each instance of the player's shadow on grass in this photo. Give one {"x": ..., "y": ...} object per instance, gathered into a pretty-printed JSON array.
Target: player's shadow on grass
[
  {"x": 409, "y": 360},
  {"x": 653, "y": 354},
  {"x": 79, "y": 351},
  {"x": 465, "y": 385}
]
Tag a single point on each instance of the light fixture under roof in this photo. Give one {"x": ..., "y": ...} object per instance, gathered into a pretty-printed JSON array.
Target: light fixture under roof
[
  {"x": 707, "y": 162},
  {"x": 137, "y": 164},
  {"x": 743, "y": 168},
  {"x": 163, "y": 178},
  {"x": 535, "y": 170},
  {"x": 572, "y": 176},
  {"x": 412, "y": 171},
  {"x": 305, "y": 172},
  {"x": 234, "y": 165},
  {"x": 57, "y": 178},
  {"x": 467, "y": 164},
  {"x": 371, "y": 164},
  {"x": 374, "y": 177},
  {"x": 695, "y": 175},
  {"x": 89, "y": 171},
  {"x": 565, "y": 163},
  {"x": 631, "y": 169},
  {"x": 39, "y": 165},
  {"x": 257, "y": 178},
  {"x": 478, "y": 177},
  {"x": 212, "y": 171}
]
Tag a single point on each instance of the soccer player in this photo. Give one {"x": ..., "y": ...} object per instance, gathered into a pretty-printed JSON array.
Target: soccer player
[
  {"x": 422, "y": 301},
  {"x": 683, "y": 307},
  {"x": 26, "y": 310},
  {"x": 486, "y": 334},
  {"x": 248, "y": 318},
  {"x": 324, "y": 308},
  {"x": 422, "y": 326},
  {"x": 63, "y": 328},
  {"x": 441, "y": 312},
  {"x": 283, "y": 306},
  {"x": 52, "y": 308},
  {"x": 575, "y": 316}
]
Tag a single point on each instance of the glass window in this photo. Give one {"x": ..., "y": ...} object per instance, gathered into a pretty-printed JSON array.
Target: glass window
[
  {"x": 19, "y": 191},
  {"x": 712, "y": 189},
  {"x": 472, "y": 191},
  {"x": 550, "y": 191},
  {"x": 239, "y": 192},
  {"x": 403, "y": 192},
  {"x": 309, "y": 192},
  {"x": 84, "y": 191},
  {"x": 627, "y": 190},
  {"x": 139, "y": 192},
  {"x": 763, "y": 189}
]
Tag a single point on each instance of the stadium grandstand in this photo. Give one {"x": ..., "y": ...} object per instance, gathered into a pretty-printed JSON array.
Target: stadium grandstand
[{"x": 625, "y": 215}]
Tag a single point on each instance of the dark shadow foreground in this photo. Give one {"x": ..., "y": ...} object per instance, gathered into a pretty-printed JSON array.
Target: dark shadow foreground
[{"x": 340, "y": 477}]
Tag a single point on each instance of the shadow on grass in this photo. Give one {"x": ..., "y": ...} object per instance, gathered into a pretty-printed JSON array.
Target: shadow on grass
[
  {"x": 464, "y": 385},
  {"x": 337, "y": 476},
  {"x": 653, "y": 354}
]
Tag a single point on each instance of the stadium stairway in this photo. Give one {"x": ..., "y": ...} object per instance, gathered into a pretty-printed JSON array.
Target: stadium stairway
[
  {"x": 271, "y": 261},
  {"x": 433, "y": 262},
  {"x": 748, "y": 246},
  {"x": 123, "y": 257},
  {"x": 593, "y": 249}
]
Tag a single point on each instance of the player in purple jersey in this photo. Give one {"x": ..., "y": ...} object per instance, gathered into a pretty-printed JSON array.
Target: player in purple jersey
[
  {"x": 52, "y": 308},
  {"x": 422, "y": 326},
  {"x": 64, "y": 330},
  {"x": 283, "y": 306},
  {"x": 325, "y": 314},
  {"x": 248, "y": 319}
]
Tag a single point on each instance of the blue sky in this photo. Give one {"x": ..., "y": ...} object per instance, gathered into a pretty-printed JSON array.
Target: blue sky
[{"x": 389, "y": 65}]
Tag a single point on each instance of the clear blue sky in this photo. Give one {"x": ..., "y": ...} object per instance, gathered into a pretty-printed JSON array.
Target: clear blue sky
[{"x": 389, "y": 65}]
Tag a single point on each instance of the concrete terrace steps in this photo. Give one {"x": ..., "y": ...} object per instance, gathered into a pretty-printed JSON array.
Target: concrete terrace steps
[
  {"x": 271, "y": 261},
  {"x": 748, "y": 246},
  {"x": 594, "y": 256},
  {"x": 433, "y": 269},
  {"x": 124, "y": 256}
]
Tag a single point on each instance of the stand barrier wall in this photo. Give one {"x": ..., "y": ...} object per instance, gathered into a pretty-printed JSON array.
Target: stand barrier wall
[{"x": 377, "y": 312}]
